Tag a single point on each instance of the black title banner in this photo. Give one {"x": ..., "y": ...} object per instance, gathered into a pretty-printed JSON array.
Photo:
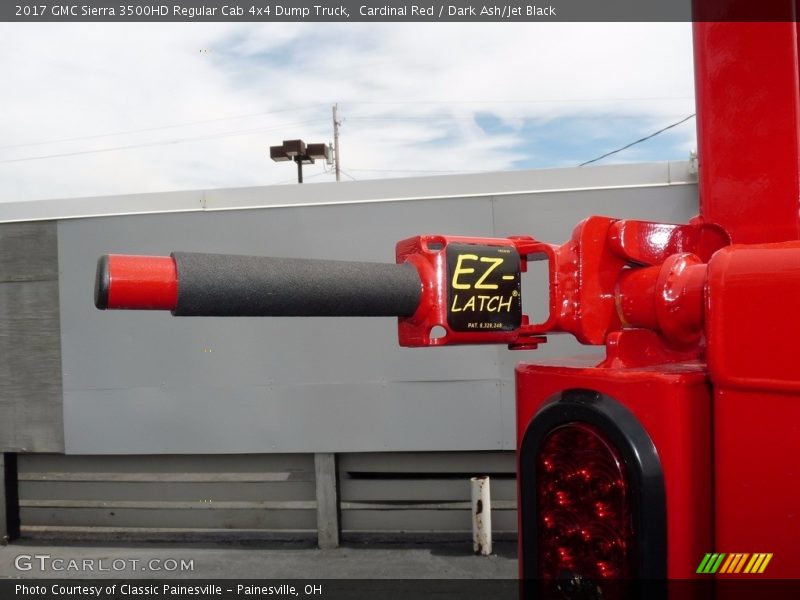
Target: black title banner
[{"x": 394, "y": 10}]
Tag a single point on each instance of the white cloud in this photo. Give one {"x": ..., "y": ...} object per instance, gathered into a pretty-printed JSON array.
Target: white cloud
[{"x": 408, "y": 93}]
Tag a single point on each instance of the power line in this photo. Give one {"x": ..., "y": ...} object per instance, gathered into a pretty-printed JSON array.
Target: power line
[
  {"x": 540, "y": 101},
  {"x": 471, "y": 118},
  {"x": 294, "y": 179},
  {"x": 163, "y": 143},
  {"x": 159, "y": 128},
  {"x": 416, "y": 171},
  {"x": 639, "y": 141}
]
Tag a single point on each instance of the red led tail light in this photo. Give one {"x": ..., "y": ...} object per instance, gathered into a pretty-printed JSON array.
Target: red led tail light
[{"x": 585, "y": 524}]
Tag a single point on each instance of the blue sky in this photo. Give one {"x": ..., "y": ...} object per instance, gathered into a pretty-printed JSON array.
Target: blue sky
[
  {"x": 563, "y": 142},
  {"x": 96, "y": 109}
]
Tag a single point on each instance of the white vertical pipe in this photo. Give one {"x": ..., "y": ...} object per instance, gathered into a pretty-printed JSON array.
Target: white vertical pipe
[{"x": 481, "y": 515}]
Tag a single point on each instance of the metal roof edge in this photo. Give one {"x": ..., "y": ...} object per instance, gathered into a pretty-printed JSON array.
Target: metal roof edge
[{"x": 497, "y": 184}]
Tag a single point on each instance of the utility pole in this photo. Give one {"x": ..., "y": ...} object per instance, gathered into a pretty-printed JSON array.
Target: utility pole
[{"x": 336, "y": 124}]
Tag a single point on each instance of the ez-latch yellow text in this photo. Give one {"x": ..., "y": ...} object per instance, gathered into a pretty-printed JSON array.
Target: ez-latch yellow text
[{"x": 462, "y": 270}]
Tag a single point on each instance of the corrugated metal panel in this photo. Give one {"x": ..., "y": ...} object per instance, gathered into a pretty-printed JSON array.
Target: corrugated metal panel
[
  {"x": 272, "y": 493},
  {"x": 31, "y": 415},
  {"x": 386, "y": 495},
  {"x": 419, "y": 493}
]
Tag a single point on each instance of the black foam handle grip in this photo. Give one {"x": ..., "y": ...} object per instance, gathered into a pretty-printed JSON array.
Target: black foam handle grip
[{"x": 254, "y": 286}]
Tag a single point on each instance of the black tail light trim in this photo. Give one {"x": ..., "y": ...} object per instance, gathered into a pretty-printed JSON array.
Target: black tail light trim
[{"x": 643, "y": 466}]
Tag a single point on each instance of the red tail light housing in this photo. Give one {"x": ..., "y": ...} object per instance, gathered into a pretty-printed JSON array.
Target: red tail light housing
[
  {"x": 592, "y": 498},
  {"x": 584, "y": 515}
]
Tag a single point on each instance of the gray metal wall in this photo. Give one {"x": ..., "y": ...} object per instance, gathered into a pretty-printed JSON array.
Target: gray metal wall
[
  {"x": 165, "y": 419},
  {"x": 143, "y": 383}
]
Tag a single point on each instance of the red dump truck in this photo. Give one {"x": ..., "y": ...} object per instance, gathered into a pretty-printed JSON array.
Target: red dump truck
[{"x": 677, "y": 455}]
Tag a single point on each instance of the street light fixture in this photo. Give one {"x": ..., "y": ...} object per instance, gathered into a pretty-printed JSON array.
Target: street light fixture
[{"x": 300, "y": 153}]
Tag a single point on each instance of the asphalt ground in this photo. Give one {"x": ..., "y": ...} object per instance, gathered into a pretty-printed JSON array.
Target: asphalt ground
[{"x": 42, "y": 559}]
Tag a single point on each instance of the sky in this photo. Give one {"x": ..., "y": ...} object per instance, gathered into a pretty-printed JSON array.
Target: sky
[{"x": 91, "y": 109}]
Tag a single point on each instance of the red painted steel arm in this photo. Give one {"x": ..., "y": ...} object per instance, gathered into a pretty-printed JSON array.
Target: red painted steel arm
[
  {"x": 748, "y": 126},
  {"x": 610, "y": 276}
]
